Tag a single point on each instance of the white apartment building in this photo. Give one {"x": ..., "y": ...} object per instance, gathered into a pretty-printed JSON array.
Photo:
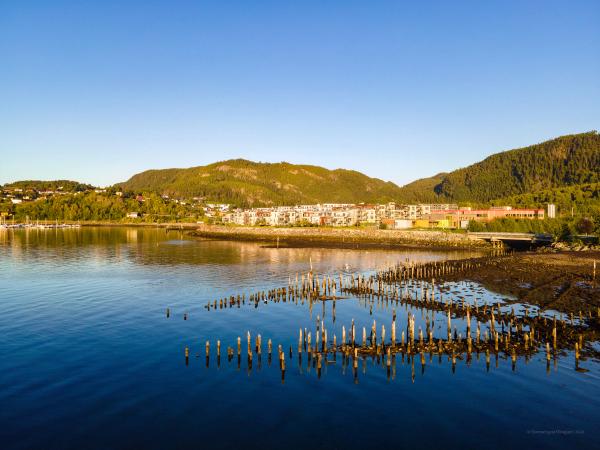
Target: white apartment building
[{"x": 333, "y": 214}]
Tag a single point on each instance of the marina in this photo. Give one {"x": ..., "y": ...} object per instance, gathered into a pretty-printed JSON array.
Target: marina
[{"x": 37, "y": 225}]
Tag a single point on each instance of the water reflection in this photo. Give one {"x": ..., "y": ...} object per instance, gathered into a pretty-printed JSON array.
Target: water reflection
[
  {"x": 155, "y": 246},
  {"x": 158, "y": 246},
  {"x": 95, "y": 322}
]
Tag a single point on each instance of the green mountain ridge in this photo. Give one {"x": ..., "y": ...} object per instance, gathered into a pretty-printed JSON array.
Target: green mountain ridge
[
  {"x": 564, "y": 170},
  {"x": 247, "y": 183},
  {"x": 570, "y": 160}
]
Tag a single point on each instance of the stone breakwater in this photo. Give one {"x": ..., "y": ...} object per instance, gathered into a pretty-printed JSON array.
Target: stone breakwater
[{"x": 339, "y": 237}]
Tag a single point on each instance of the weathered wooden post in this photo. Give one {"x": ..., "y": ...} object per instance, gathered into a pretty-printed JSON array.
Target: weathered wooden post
[
  {"x": 496, "y": 342},
  {"x": 513, "y": 357},
  {"x": 388, "y": 361},
  {"x": 319, "y": 365},
  {"x": 453, "y": 362}
]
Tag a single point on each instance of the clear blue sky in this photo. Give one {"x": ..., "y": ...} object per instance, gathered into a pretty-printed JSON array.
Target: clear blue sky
[{"x": 97, "y": 91}]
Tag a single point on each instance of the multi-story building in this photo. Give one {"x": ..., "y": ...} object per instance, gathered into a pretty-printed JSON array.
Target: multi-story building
[
  {"x": 394, "y": 216},
  {"x": 459, "y": 218}
]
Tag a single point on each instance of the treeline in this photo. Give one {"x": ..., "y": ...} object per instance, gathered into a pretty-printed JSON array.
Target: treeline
[
  {"x": 580, "y": 199},
  {"x": 53, "y": 185},
  {"x": 100, "y": 207}
]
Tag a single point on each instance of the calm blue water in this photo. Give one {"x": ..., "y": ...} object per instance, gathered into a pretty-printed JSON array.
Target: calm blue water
[{"x": 88, "y": 358}]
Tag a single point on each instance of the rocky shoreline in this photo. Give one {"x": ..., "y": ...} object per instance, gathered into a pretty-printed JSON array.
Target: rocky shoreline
[
  {"x": 339, "y": 237},
  {"x": 566, "y": 281}
]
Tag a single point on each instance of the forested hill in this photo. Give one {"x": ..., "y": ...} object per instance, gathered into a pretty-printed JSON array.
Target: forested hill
[
  {"x": 247, "y": 183},
  {"x": 565, "y": 170},
  {"x": 53, "y": 185},
  {"x": 565, "y": 161}
]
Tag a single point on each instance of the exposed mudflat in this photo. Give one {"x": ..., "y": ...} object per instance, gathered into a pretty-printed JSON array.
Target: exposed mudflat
[{"x": 561, "y": 281}]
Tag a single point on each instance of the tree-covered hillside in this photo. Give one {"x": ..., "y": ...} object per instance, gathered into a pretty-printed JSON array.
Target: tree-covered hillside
[
  {"x": 564, "y": 171},
  {"x": 247, "y": 183},
  {"x": 565, "y": 161},
  {"x": 422, "y": 190},
  {"x": 100, "y": 207},
  {"x": 53, "y": 185},
  {"x": 581, "y": 199}
]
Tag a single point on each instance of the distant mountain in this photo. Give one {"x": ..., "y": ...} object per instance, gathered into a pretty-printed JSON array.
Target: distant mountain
[
  {"x": 565, "y": 161},
  {"x": 247, "y": 183},
  {"x": 565, "y": 170}
]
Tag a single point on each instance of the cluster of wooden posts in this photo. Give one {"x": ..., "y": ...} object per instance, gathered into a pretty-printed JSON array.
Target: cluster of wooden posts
[
  {"x": 490, "y": 329},
  {"x": 544, "y": 334},
  {"x": 429, "y": 270},
  {"x": 307, "y": 286},
  {"x": 311, "y": 287},
  {"x": 506, "y": 335}
]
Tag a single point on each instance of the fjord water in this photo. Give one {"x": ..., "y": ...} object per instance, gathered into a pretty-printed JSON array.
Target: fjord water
[{"x": 88, "y": 358}]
